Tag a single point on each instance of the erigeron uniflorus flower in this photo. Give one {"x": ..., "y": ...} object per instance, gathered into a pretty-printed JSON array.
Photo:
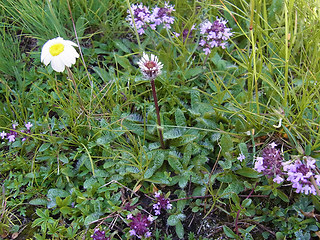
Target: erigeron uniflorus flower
[
  {"x": 150, "y": 66},
  {"x": 60, "y": 53}
]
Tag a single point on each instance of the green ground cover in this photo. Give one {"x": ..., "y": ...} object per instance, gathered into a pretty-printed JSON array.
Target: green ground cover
[{"x": 229, "y": 150}]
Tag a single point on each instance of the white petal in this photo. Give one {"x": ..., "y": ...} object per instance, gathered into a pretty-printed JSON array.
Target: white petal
[
  {"x": 47, "y": 59},
  {"x": 70, "y": 43},
  {"x": 57, "y": 64}
]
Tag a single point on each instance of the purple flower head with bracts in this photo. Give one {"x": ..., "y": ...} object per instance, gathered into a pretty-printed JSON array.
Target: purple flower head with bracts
[
  {"x": 300, "y": 173},
  {"x": 141, "y": 16},
  {"x": 99, "y": 235},
  {"x": 139, "y": 225},
  {"x": 161, "y": 203},
  {"x": 270, "y": 164},
  {"x": 214, "y": 34},
  {"x": 162, "y": 16}
]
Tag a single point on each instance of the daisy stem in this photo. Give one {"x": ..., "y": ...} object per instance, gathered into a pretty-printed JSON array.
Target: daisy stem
[
  {"x": 70, "y": 75},
  {"x": 158, "y": 112}
]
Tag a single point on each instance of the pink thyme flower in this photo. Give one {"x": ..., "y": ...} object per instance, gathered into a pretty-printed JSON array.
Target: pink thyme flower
[
  {"x": 141, "y": 15},
  {"x": 139, "y": 226},
  {"x": 161, "y": 203},
  {"x": 3, "y": 134},
  {"x": 241, "y": 157},
  {"x": 150, "y": 67},
  {"x": 28, "y": 126},
  {"x": 214, "y": 34}
]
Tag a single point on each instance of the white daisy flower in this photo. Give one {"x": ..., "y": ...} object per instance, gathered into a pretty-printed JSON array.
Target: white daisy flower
[
  {"x": 150, "y": 67},
  {"x": 60, "y": 53}
]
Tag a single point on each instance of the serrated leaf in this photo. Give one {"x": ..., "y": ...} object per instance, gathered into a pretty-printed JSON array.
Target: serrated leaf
[
  {"x": 180, "y": 118},
  {"x": 172, "y": 133},
  {"x": 175, "y": 163}
]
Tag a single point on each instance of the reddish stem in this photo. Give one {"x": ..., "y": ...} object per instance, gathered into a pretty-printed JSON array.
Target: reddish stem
[{"x": 158, "y": 112}]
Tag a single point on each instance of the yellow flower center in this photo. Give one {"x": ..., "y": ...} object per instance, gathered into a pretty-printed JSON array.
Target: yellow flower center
[{"x": 56, "y": 49}]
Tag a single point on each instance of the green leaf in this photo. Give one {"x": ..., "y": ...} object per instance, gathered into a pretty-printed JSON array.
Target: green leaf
[
  {"x": 175, "y": 163},
  {"x": 179, "y": 230},
  {"x": 119, "y": 44},
  {"x": 172, "y": 133},
  {"x": 229, "y": 232},
  {"x": 91, "y": 218},
  {"x": 174, "y": 219},
  {"x": 281, "y": 195},
  {"x": 44, "y": 147},
  {"x": 226, "y": 143},
  {"x": 54, "y": 192},
  {"x": 38, "y": 201},
  {"x": 226, "y": 164},
  {"x": 246, "y": 203},
  {"x": 180, "y": 118},
  {"x": 248, "y": 172}
]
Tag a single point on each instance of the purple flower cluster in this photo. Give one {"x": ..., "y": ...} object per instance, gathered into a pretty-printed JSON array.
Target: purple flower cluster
[
  {"x": 144, "y": 18},
  {"x": 270, "y": 163},
  {"x": 162, "y": 16},
  {"x": 214, "y": 34},
  {"x": 300, "y": 172},
  {"x": 99, "y": 235},
  {"x": 161, "y": 203},
  {"x": 141, "y": 16},
  {"x": 13, "y": 134},
  {"x": 139, "y": 225}
]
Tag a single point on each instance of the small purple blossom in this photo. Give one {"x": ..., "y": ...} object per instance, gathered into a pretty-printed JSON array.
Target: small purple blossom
[
  {"x": 3, "y": 134},
  {"x": 273, "y": 145},
  {"x": 99, "y": 235},
  {"x": 241, "y": 157},
  {"x": 11, "y": 138},
  {"x": 139, "y": 226},
  {"x": 299, "y": 174},
  {"x": 141, "y": 16},
  {"x": 161, "y": 203},
  {"x": 28, "y": 126},
  {"x": 214, "y": 34},
  {"x": 270, "y": 162},
  {"x": 162, "y": 16}
]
